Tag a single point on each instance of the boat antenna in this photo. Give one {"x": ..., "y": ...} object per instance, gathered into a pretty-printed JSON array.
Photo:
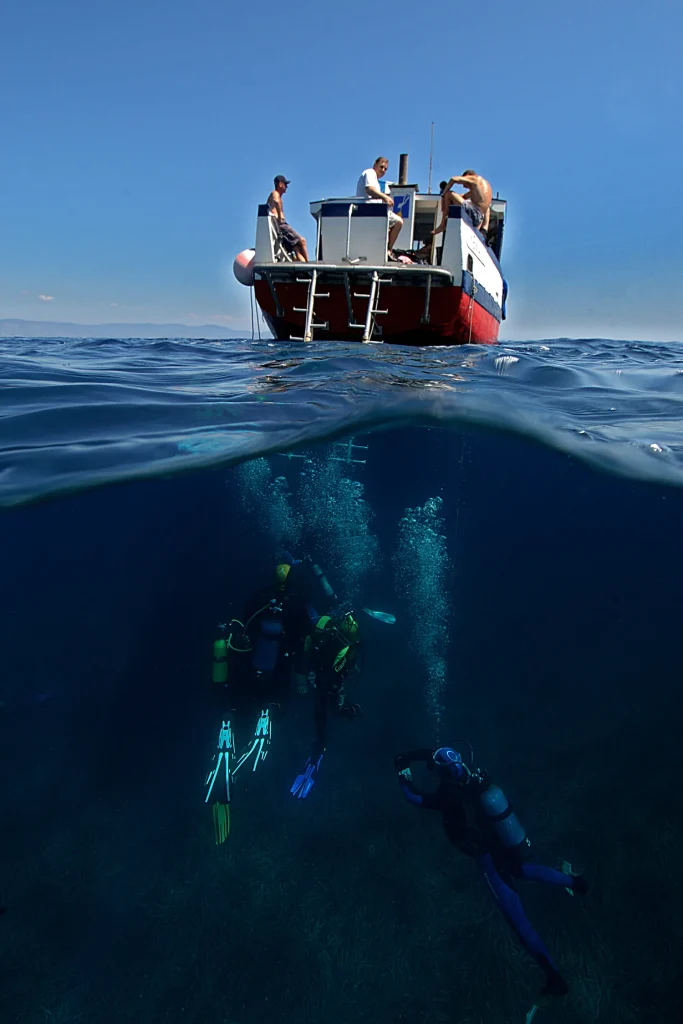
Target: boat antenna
[{"x": 431, "y": 160}]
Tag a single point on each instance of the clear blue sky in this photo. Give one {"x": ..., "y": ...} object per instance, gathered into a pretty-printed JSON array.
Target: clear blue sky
[{"x": 138, "y": 137}]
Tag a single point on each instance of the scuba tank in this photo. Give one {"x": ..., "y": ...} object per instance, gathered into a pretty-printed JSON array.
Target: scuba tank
[
  {"x": 323, "y": 581},
  {"x": 219, "y": 669},
  {"x": 505, "y": 823},
  {"x": 222, "y": 647},
  {"x": 267, "y": 640}
]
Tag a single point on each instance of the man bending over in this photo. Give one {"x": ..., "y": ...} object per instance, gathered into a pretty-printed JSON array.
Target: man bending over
[{"x": 476, "y": 200}]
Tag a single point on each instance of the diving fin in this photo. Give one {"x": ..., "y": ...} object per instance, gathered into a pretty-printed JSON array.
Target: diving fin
[
  {"x": 532, "y": 1013},
  {"x": 303, "y": 784},
  {"x": 221, "y": 822},
  {"x": 386, "y": 617},
  {"x": 580, "y": 886}
]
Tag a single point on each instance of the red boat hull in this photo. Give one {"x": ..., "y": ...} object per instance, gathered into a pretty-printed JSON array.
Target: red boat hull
[{"x": 455, "y": 318}]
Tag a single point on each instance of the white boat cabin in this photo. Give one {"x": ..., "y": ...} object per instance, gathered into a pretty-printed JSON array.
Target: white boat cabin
[{"x": 351, "y": 232}]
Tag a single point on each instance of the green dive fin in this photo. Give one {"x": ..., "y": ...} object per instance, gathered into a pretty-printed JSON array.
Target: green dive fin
[{"x": 221, "y": 822}]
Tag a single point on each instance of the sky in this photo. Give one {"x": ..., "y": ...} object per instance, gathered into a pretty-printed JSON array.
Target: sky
[{"x": 137, "y": 138}]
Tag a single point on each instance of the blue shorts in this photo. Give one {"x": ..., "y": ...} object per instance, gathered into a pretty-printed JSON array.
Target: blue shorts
[{"x": 474, "y": 213}]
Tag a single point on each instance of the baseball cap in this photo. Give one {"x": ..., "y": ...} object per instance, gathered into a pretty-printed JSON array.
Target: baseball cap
[{"x": 280, "y": 179}]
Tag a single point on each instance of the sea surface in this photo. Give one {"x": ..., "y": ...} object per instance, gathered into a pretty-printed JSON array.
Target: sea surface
[
  {"x": 517, "y": 509},
  {"x": 84, "y": 412}
]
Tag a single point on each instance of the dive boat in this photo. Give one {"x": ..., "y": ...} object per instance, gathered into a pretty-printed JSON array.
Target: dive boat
[{"x": 452, "y": 293}]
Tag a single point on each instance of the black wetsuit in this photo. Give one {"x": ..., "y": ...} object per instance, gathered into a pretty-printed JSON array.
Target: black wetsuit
[
  {"x": 276, "y": 624},
  {"x": 333, "y": 658}
]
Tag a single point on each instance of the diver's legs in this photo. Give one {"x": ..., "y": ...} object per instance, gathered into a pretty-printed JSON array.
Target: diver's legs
[
  {"x": 281, "y": 682},
  {"x": 320, "y": 720},
  {"x": 513, "y": 912},
  {"x": 304, "y": 782},
  {"x": 340, "y": 706},
  {"x": 532, "y": 872}
]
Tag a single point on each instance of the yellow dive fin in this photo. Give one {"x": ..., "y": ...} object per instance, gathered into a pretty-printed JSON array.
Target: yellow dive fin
[{"x": 221, "y": 822}]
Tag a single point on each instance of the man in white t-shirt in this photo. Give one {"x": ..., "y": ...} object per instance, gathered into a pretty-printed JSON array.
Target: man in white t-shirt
[{"x": 368, "y": 188}]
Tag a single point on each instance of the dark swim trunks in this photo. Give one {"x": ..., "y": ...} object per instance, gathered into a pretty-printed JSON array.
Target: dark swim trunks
[
  {"x": 289, "y": 237},
  {"x": 475, "y": 214}
]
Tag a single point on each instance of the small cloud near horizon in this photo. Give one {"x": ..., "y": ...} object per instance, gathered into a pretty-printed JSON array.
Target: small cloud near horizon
[{"x": 46, "y": 298}]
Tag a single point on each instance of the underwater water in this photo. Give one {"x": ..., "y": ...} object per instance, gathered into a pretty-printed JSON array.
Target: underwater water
[{"x": 518, "y": 510}]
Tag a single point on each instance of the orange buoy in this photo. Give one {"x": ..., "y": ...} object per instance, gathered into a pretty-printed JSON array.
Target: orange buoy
[{"x": 243, "y": 267}]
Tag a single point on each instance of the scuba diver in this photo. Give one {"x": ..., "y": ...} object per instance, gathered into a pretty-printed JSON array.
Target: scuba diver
[
  {"x": 479, "y": 820},
  {"x": 254, "y": 660},
  {"x": 333, "y": 649},
  {"x": 277, "y": 620}
]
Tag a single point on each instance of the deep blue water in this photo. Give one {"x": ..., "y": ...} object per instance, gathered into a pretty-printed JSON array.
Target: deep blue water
[{"x": 518, "y": 509}]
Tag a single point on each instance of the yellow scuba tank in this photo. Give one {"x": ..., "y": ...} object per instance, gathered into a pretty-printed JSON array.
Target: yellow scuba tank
[
  {"x": 219, "y": 669},
  {"x": 236, "y": 640}
]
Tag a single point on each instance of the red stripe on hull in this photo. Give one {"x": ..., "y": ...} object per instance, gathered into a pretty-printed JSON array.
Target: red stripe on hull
[{"x": 454, "y": 317}]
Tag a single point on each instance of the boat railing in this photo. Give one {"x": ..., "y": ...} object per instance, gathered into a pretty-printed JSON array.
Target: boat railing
[{"x": 353, "y": 232}]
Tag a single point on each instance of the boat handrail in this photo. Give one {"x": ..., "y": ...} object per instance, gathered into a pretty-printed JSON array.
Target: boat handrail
[{"x": 386, "y": 268}]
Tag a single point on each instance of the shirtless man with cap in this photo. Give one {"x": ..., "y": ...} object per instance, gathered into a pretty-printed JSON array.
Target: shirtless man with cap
[{"x": 293, "y": 242}]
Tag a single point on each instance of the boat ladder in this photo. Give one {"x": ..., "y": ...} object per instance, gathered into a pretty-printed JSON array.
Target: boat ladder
[
  {"x": 349, "y": 449},
  {"x": 372, "y": 312},
  {"x": 309, "y": 325}
]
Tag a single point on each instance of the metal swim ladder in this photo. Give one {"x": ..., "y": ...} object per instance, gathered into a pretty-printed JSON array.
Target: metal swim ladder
[
  {"x": 309, "y": 326},
  {"x": 372, "y": 310},
  {"x": 349, "y": 449}
]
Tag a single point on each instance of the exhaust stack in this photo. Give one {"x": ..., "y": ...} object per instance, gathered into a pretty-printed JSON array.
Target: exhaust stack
[{"x": 403, "y": 169}]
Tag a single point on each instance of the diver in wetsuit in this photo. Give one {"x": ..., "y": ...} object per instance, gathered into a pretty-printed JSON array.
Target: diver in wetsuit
[
  {"x": 333, "y": 650},
  {"x": 254, "y": 661},
  {"x": 276, "y": 622},
  {"x": 333, "y": 657},
  {"x": 479, "y": 820}
]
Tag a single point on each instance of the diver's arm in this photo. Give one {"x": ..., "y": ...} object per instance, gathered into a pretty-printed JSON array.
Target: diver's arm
[{"x": 402, "y": 762}]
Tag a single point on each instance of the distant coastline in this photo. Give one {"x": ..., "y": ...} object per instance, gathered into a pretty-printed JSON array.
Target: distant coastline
[{"x": 15, "y": 328}]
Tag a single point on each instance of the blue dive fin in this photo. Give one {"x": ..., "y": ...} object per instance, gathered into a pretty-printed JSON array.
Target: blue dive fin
[{"x": 303, "y": 784}]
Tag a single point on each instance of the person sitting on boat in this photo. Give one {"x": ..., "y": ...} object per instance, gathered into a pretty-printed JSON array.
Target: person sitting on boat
[
  {"x": 368, "y": 188},
  {"x": 292, "y": 241},
  {"x": 448, "y": 199},
  {"x": 476, "y": 201}
]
